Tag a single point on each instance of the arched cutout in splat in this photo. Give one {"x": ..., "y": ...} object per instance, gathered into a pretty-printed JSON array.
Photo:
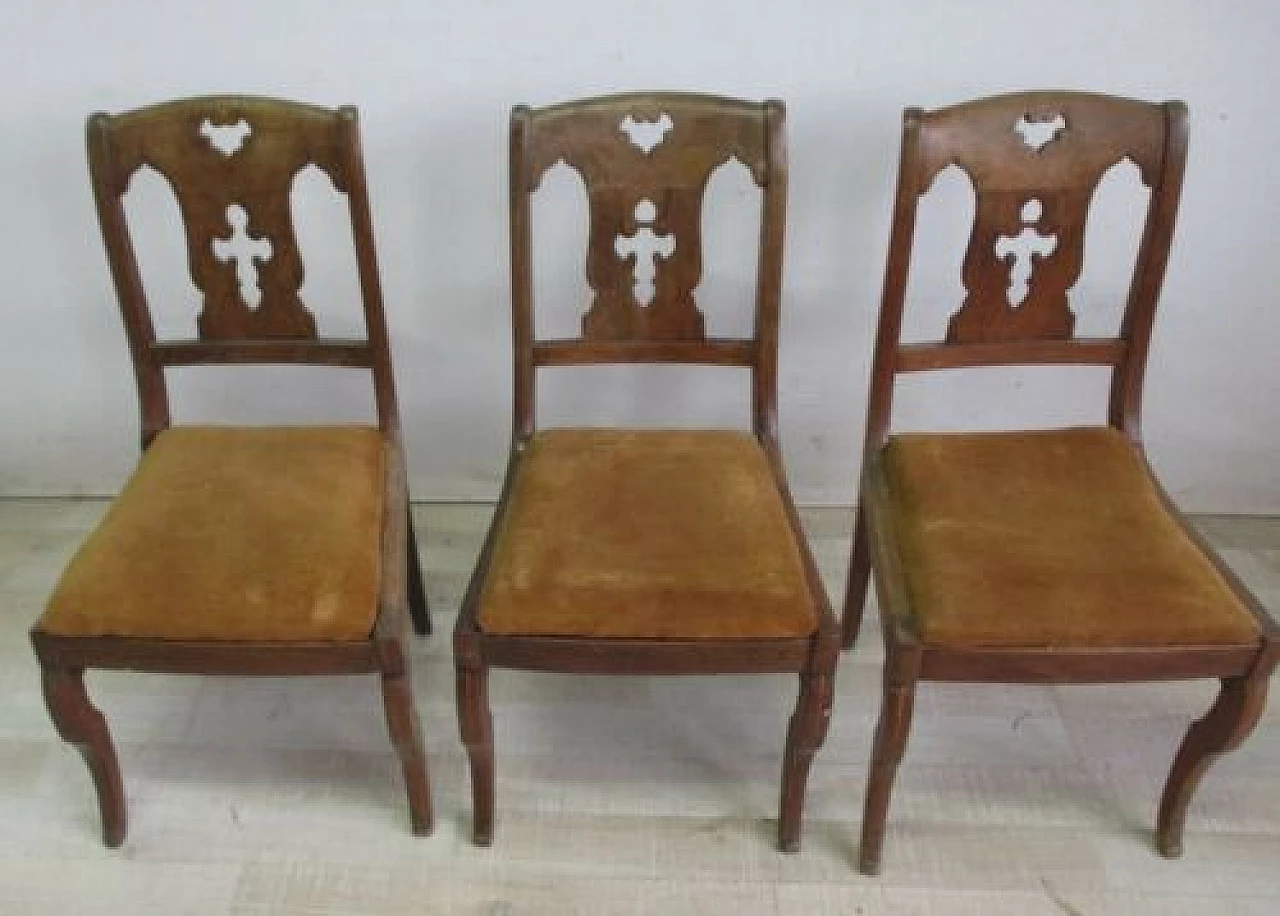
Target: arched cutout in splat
[
  {"x": 731, "y": 211},
  {"x": 560, "y": 211},
  {"x": 151, "y": 212},
  {"x": 1111, "y": 238},
  {"x": 935, "y": 282},
  {"x": 322, "y": 233}
]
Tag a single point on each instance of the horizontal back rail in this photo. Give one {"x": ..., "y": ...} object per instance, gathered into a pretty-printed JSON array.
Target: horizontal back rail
[
  {"x": 322, "y": 352},
  {"x": 922, "y": 357},
  {"x": 711, "y": 352}
]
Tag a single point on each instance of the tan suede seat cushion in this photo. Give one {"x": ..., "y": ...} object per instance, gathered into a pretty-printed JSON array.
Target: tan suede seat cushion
[
  {"x": 646, "y": 534},
  {"x": 227, "y": 533},
  {"x": 1052, "y": 538}
]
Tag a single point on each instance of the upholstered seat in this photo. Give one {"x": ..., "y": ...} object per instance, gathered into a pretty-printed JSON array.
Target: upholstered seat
[
  {"x": 219, "y": 535},
  {"x": 646, "y": 534},
  {"x": 1050, "y": 538}
]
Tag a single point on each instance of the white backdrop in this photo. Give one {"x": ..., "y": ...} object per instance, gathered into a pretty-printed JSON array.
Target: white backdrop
[{"x": 434, "y": 82}]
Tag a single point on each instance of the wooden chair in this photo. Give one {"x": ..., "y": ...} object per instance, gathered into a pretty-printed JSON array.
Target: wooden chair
[
  {"x": 241, "y": 550},
  {"x": 1052, "y": 556},
  {"x": 619, "y": 551}
]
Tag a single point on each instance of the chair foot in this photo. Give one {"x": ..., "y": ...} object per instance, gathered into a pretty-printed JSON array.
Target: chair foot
[
  {"x": 419, "y": 611},
  {"x": 868, "y": 865},
  {"x": 406, "y": 737},
  {"x": 855, "y": 598},
  {"x": 805, "y": 734},
  {"x": 1223, "y": 728},
  {"x": 890, "y": 742},
  {"x": 82, "y": 725},
  {"x": 476, "y": 724}
]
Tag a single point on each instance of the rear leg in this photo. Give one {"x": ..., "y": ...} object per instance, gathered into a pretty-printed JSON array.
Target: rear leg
[
  {"x": 855, "y": 599},
  {"x": 419, "y": 612}
]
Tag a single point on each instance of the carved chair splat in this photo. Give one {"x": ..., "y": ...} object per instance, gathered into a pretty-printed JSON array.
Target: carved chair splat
[
  {"x": 692, "y": 578},
  {"x": 237, "y": 550},
  {"x": 1004, "y": 557}
]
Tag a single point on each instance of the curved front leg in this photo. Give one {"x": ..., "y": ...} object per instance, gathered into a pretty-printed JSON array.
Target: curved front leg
[
  {"x": 1224, "y": 727},
  {"x": 81, "y": 725}
]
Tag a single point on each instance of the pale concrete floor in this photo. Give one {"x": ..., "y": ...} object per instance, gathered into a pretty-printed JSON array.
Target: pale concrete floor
[{"x": 629, "y": 795}]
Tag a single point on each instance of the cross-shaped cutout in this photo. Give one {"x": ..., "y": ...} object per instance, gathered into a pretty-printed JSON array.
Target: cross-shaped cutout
[
  {"x": 1021, "y": 251},
  {"x": 1037, "y": 134},
  {"x": 226, "y": 138},
  {"x": 646, "y": 135},
  {"x": 645, "y": 247},
  {"x": 248, "y": 252}
]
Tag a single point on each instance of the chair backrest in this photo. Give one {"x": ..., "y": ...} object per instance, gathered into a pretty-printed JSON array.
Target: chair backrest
[
  {"x": 230, "y": 162},
  {"x": 1034, "y": 160},
  {"x": 645, "y": 160}
]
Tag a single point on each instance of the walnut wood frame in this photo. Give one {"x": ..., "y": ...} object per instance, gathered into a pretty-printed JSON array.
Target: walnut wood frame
[
  {"x": 1155, "y": 137},
  {"x": 160, "y": 136},
  {"x": 538, "y": 139}
]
